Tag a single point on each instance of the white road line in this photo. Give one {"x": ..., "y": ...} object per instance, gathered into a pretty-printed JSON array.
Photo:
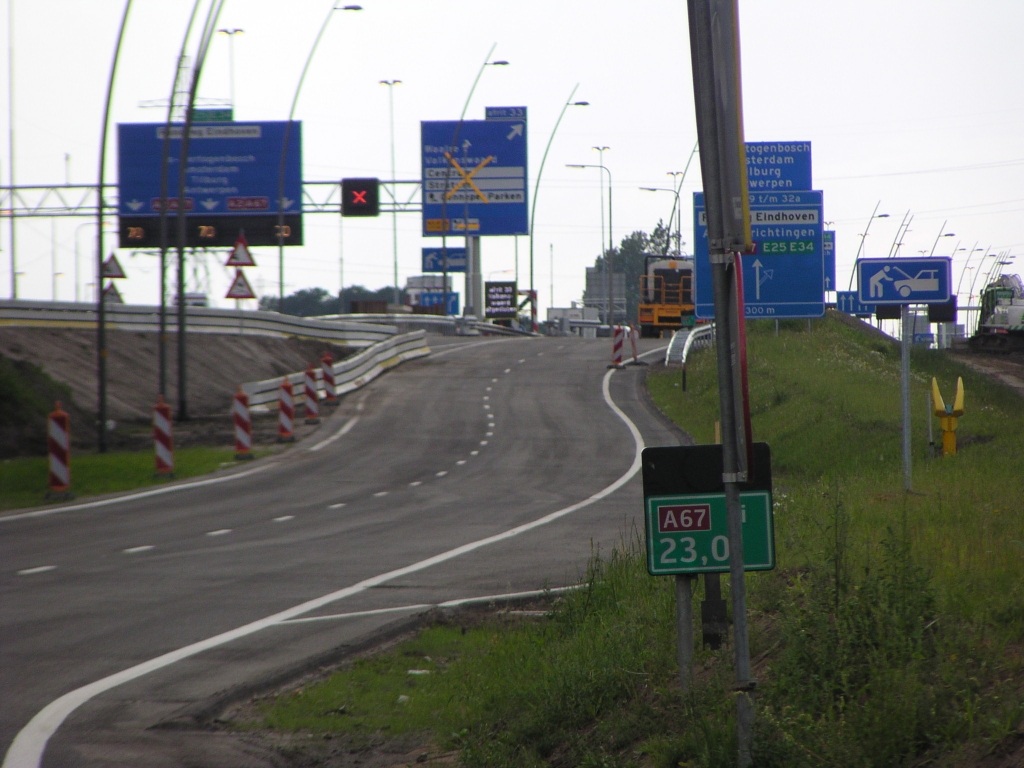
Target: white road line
[
  {"x": 143, "y": 548},
  {"x": 489, "y": 434},
  {"x": 540, "y": 354},
  {"x": 32, "y": 571},
  {"x": 134, "y": 496},
  {"x": 343, "y": 431},
  {"x": 508, "y": 370},
  {"x": 487, "y": 407},
  {"x": 460, "y": 462},
  {"x": 339, "y": 505},
  {"x": 490, "y": 426},
  {"x": 442, "y": 473},
  {"x": 486, "y": 397},
  {"x": 523, "y": 360},
  {"x": 26, "y": 751},
  {"x": 494, "y": 381},
  {"x": 483, "y": 442},
  {"x": 378, "y": 494},
  {"x": 414, "y": 483},
  {"x": 474, "y": 453},
  {"x": 490, "y": 388},
  {"x": 285, "y": 518},
  {"x": 218, "y": 532}
]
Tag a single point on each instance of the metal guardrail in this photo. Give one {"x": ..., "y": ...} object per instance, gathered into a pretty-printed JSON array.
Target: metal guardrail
[
  {"x": 679, "y": 347},
  {"x": 128, "y": 317},
  {"x": 446, "y": 326},
  {"x": 349, "y": 374}
]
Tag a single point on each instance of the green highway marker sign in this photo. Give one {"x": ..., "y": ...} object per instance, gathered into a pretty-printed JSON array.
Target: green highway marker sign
[{"x": 690, "y": 534}]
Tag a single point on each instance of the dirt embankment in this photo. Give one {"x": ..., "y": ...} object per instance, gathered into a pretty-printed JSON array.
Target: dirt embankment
[{"x": 217, "y": 364}]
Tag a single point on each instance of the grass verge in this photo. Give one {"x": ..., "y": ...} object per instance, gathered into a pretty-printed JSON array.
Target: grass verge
[
  {"x": 23, "y": 481},
  {"x": 888, "y": 636}
]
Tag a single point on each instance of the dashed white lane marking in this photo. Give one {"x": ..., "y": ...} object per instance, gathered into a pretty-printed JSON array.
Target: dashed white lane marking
[
  {"x": 30, "y": 743},
  {"x": 286, "y": 518},
  {"x": 474, "y": 453},
  {"x": 483, "y": 442},
  {"x": 343, "y": 431},
  {"x": 460, "y": 462},
  {"x": 339, "y": 505},
  {"x": 486, "y": 397},
  {"x": 489, "y": 434},
  {"x": 508, "y": 370},
  {"x": 487, "y": 407},
  {"x": 490, "y": 388},
  {"x": 523, "y": 360},
  {"x": 494, "y": 381},
  {"x": 218, "y": 532},
  {"x": 442, "y": 473},
  {"x": 381, "y": 493},
  {"x": 37, "y": 569},
  {"x": 540, "y": 354},
  {"x": 414, "y": 483},
  {"x": 143, "y": 548}
]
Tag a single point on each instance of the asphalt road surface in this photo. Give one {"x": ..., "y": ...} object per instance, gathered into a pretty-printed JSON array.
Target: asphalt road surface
[{"x": 487, "y": 468}]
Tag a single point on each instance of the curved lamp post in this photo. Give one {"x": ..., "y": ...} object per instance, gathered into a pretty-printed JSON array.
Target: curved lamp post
[
  {"x": 231, "y": 59},
  {"x": 540, "y": 171},
  {"x": 874, "y": 215},
  {"x": 284, "y": 149}
]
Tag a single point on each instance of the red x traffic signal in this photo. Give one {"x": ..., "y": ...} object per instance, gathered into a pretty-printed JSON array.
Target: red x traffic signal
[{"x": 360, "y": 197}]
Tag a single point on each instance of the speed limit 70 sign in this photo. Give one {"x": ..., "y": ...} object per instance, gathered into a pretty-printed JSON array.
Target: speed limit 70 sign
[{"x": 690, "y": 534}]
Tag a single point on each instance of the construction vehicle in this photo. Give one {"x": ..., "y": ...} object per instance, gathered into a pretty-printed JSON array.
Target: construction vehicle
[
  {"x": 1001, "y": 328},
  {"x": 666, "y": 295}
]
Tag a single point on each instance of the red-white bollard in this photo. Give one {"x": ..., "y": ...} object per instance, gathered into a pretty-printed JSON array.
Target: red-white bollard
[
  {"x": 330, "y": 387},
  {"x": 58, "y": 446},
  {"x": 243, "y": 426},
  {"x": 617, "y": 338},
  {"x": 286, "y": 413},
  {"x": 163, "y": 442},
  {"x": 312, "y": 398}
]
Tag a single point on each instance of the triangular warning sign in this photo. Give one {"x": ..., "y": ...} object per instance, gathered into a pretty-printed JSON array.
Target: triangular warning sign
[
  {"x": 240, "y": 255},
  {"x": 111, "y": 295},
  {"x": 240, "y": 288},
  {"x": 112, "y": 268}
]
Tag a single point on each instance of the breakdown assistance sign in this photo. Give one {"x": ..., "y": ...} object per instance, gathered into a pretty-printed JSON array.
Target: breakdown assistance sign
[{"x": 474, "y": 177}]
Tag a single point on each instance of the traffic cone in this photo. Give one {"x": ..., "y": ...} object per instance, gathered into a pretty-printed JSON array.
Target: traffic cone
[
  {"x": 286, "y": 413},
  {"x": 243, "y": 426},
  {"x": 58, "y": 448},
  {"x": 312, "y": 398},
  {"x": 163, "y": 441}
]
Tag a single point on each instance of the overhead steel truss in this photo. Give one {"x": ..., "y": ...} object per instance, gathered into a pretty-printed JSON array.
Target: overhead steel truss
[{"x": 81, "y": 200}]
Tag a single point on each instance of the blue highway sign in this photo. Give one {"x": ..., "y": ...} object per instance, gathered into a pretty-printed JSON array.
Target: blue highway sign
[
  {"x": 828, "y": 243},
  {"x": 505, "y": 113},
  {"x": 846, "y": 301},
  {"x": 904, "y": 281},
  {"x": 435, "y": 298},
  {"x": 785, "y": 277},
  {"x": 231, "y": 181},
  {"x": 474, "y": 177},
  {"x": 777, "y": 165},
  {"x": 433, "y": 259}
]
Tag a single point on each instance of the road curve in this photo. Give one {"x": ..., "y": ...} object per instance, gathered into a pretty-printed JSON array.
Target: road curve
[{"x": 485, "y": 468}]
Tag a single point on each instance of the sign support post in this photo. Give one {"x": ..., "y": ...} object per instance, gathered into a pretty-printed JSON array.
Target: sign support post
[
  {"x": 714, "y": 50},
  {"x": 684, "y": 630},
  {"x": 907, "y": 337}
]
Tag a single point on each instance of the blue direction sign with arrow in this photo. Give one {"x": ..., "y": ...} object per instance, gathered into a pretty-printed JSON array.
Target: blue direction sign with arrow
[
  {"x": 474, "y": 177},
  {"x": 785, "y": 277},
  {"x": 904, "y": 281},
  {"x": 778, "y": 165},
  {"x": 846, "y": 301},
  {"x": 433, "y": 259},
  {"x": 828, "y": 243}
]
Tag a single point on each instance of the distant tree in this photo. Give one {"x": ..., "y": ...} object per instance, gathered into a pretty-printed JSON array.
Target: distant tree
[{"x": 311, "y": 302}]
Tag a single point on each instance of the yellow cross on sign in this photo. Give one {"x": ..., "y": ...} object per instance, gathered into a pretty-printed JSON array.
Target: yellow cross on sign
[{"x": 467, "y": 178}]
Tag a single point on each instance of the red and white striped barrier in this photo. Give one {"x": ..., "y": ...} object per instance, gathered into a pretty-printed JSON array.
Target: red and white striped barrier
[
  {"x": 312, "y": 398},
  {"x": 243, "y": 426},
  {"x": 163, "y": 441},
  {"x": 617, "y": 338},
  {"x": 286, "y": 413},
  {"x": 330, "y": 387},
  {"x": 58, "y": 446}
]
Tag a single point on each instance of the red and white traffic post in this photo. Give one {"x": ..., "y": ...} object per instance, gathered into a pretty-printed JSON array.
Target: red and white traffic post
[
  {"x": 163, "y": 441},
  {"x": 243, "y": 426},
  {"x": 312, "y": 398},
  {"x": 58, "y": 448},
  {"x": 286, "y": 413},
  {"x": 617, "y": 339},
  {"x": 330, "y": 386}
]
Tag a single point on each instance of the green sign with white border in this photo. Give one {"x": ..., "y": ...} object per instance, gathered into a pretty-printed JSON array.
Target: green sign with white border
[{"x": 689, "y": 533}]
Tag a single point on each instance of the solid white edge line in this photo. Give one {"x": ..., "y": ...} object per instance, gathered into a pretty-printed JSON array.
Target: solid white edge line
[
  {"x": 135, "y": 496},
  {"x": 26, "y": 751},
  {"x": 341, "y": 432}
]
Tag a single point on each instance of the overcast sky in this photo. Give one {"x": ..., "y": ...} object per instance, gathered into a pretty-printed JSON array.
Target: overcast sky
[{"x": 914, "y": 103}]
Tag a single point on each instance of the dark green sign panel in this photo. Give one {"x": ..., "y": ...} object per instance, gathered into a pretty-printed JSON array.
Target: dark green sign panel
[{"x": 690, "y": 534}]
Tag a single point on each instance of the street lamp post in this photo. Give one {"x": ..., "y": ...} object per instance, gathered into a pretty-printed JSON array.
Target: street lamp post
[
  {"x": 609, "y": 315},
  {"x": 231, "y": 59},
  {"x": 675, "y": 208},
  {"x": 536, "y": 185},
  {"x": 394, "y": 195},
  {"x": 874, "y": 215},
  {"x": 284, "y": 150}
]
